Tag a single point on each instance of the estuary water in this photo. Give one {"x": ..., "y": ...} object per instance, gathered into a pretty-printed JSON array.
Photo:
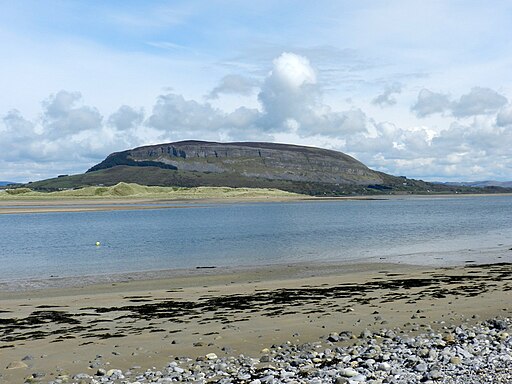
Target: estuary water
[{"x": 432, "y": 231}]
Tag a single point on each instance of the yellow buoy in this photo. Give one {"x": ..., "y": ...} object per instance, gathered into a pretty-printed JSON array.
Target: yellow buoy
[{"x": 98, "y": 244}]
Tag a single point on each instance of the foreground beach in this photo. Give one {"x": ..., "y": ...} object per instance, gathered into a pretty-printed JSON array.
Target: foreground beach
[{"x": 79, "y": 331}]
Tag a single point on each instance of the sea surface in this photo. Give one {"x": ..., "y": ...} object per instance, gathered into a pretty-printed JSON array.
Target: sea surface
[{"x": 431, "y": 231}]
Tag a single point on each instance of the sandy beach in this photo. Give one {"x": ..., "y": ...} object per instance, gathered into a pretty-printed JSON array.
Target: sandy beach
[
  {"x": 144, "y": 321},
  {"x": 19, "y": 205}
]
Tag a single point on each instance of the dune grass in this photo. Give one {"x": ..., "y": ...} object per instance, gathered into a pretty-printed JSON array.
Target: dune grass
[{"x": 131, "y": 190}]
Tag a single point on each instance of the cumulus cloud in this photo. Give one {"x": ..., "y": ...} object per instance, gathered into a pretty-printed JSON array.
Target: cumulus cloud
[
  {"x": 62, "y": 116},
  {"x": 17, "y": 135},
  {"x": 289, "y": 92},
  {"x": 126, "y": 118},
  {"x": 467, "y": 151},
  {"x": 69, "y": 136},
  {"x": 291, "y": 100},
  {"x": 233, "y": 84},
  {"x": 430, "y": 102},
  {"x": 504, "y": 117},
  {"x": 16, "y": 125},
  {"x": 479, "y": 101},
  {"x": 174, "y": 114},
  {"x": 386, "y": 98}
]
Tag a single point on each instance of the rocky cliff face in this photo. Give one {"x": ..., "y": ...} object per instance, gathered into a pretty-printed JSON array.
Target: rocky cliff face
[{"x": 250, "y": 160}]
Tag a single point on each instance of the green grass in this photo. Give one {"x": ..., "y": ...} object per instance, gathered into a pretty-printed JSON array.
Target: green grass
[{"x": 132, "y": 190}]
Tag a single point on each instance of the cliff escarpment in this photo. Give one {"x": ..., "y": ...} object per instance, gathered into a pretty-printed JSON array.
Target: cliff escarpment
[{"x": 250, "y": 160}]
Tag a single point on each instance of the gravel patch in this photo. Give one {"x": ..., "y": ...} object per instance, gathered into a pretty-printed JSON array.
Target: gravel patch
[{"x": 459, "y": 354}]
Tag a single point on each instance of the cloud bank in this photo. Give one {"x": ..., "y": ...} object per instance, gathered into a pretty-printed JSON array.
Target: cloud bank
[{"x": 69, "y": 135}]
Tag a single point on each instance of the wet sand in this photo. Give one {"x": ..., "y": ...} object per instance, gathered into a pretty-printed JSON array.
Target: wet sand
[
  {"x": 115, "y": 204},
  {"x": 46, "y": 205},
  {"x": 146, "y": 322}
]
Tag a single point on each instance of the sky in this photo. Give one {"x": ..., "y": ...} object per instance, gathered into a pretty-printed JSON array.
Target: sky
[{"x": 414, "y": 88}]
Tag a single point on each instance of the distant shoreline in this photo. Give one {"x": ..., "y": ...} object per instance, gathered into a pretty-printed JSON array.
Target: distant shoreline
[{"x": 50, "y": 204}]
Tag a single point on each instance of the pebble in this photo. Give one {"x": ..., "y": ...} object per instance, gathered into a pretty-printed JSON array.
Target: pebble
[
  {"x": 17, "y": 365},
  {"x": 460, "y": 355}
]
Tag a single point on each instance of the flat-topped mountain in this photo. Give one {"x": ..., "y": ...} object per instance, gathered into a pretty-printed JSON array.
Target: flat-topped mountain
[
  {"x": 251, "y": 160},
  {"x": 293, "y": 168}
]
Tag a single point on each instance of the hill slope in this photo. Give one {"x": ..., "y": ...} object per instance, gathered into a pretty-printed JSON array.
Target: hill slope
[
  {"x": 251, "y": 160},
  {"x": 293, "y": 168}
]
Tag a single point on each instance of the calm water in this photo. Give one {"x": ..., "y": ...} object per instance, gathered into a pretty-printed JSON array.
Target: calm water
[{"x": 429, "y": 231}]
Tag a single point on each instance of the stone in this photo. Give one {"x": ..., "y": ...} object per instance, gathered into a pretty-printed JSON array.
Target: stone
[
  {"x": 384, "y": 366},
  {"x": 435, "y": 374},
  {"x": 449, "y": 338},
  {"x": 265, "y": 359},
  {"x": 211, "y": 356},
  {"x": 17, "y": 365},
  {"x": 348, "y": 372},
  {"x": 366, "y": 334},
  {"x": 82, "y": 376}
]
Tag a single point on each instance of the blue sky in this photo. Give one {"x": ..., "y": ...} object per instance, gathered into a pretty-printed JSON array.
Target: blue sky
[{"x": 415, "y": 88}]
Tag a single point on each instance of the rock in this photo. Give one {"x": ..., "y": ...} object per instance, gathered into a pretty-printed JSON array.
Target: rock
[
  {"x": 366, "y": 334},
  {"x": 101, "y": 372},
  {"x": 404, "y": 358},
  {"x": 114, "y": 372},
  {"x": 333, "y": 338},
  {"x": 17, "y": 365},
  {"x": 498, "y": 324},
  {"x": 358, "y": 379},
  {"x": 82, "y": 376},
  {"x": 435, "y": 374},
  {"x": 282, "y": 163},
  {"x": 449, "y": 338},
  {"x": 348, "y": 372},
  {"x": 384, "y": 366},
  {"x": 265, "y": 359}
]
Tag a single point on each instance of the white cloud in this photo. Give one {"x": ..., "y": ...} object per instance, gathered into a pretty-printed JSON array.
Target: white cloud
[
  {"x": 430, "y": 102},
  {"x": 69, "y": 136},
  {"x": 61, "y": 116},
  {"x": 504, "y": 117},
  {"x": 126, "y": 118},
  {"x": 478, "y": 101},
  {"x": 233, "y": 84},
  {"x": 458, "y": 151},
  {"x": 386, "y": 98},
  {"x": 175, "y": 115},
  {"x": 291, "y": 93}
]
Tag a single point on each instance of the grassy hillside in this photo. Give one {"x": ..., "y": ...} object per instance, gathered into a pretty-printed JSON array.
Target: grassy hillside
[
  {"x": 131, "y": 190},
  {"x": 155, "y": 176}
]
